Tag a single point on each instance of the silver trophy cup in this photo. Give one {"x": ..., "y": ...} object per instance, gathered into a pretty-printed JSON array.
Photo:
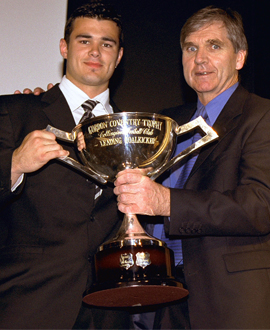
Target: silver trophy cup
[{"x": 133, "y": 268}]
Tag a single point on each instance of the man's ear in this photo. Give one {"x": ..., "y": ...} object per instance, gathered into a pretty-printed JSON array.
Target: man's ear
[
  {"x": 63, "y": 48},
  {"x": 241, "y": 58},
  {"x": 120, "y": 55}
]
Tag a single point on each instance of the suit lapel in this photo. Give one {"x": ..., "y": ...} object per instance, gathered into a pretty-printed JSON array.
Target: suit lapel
[
  {"x": 181, "y": 114},
  {"x": 114, "y": 106},
  {"x": 57, "y": 109},
  {"x": 226, "y": 121}
]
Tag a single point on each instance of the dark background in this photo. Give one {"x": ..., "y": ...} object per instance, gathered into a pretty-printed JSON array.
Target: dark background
[{"x": 150, "y": 75}]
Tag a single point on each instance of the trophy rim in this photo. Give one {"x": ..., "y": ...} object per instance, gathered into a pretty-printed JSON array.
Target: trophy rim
[{"x": 122, "y": 114}]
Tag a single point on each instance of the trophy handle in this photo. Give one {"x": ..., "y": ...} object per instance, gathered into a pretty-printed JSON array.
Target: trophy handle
[
  {"x": 70, "y": 137},
  {"x": 210, "y": 135}
]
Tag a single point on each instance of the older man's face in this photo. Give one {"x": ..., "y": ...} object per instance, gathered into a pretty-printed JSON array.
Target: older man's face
[{"x": 210, "y": 62}]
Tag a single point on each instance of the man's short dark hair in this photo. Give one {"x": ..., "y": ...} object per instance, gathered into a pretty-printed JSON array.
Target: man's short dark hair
[{"x": 96, "y": 10}]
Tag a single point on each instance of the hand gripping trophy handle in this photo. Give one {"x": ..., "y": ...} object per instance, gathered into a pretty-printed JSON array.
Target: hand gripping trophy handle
[
  {"x": 133, "y": 268},
  {"x": 71, "y": 137}
]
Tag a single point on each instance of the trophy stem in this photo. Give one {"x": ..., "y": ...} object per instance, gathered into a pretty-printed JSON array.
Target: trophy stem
[
  {"x": 131, "y": 233},
  {"x": 131, "y": 228}
]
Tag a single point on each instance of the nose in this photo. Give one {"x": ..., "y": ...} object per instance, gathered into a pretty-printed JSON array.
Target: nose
[
  {"x": 94, "y": 50},
  {"x": 201, "y": 56}
]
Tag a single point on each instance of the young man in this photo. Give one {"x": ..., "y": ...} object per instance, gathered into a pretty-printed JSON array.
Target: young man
[
  {"x": 222, "y": 211},
  {"x": 52, "y": 219}
]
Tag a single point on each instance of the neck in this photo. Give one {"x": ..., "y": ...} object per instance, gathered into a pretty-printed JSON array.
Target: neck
[{"x": 91, "y": 90}]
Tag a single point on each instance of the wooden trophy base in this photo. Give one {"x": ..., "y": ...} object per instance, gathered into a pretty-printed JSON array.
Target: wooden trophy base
[{"x": 136, "y": 293}]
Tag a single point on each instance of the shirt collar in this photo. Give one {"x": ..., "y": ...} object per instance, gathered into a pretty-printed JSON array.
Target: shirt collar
[
  {"x": 76, "y": 97},
  {"x": 214, "y": 107}
]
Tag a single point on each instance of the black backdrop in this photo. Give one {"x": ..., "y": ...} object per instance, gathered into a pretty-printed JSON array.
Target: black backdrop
[{"x": 150, "y": 75}]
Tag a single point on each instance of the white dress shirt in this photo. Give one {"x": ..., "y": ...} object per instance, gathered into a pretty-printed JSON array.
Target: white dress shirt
[{"x": 76, "y": 97}]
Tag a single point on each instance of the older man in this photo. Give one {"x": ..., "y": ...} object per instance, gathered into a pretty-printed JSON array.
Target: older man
[{"x": 221, "y": 210}]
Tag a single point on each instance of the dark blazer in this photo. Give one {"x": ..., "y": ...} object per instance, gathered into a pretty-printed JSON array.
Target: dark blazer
[
  {"x": 51, "y": 226},
  {"x": 223, "y": 218}
]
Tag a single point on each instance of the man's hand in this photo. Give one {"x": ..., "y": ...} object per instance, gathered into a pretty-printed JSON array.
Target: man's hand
[
  {"x": 37, "y": 90},
  {"x": 80, "y": 141},
  {"x": 37, "y": 148},
  {"x": 138, "y": 194}
]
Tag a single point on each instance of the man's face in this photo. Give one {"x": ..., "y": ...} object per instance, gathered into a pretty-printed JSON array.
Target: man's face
[
  {"x": 92, "y": 54},
  {"x": 210, "y": 62}
]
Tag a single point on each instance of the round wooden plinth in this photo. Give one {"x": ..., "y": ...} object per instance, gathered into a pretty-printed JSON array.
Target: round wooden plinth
[{"x": 135, "y": 293}]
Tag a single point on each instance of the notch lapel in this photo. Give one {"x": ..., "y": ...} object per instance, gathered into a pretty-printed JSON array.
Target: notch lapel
[{"x": 57, "y": 110}]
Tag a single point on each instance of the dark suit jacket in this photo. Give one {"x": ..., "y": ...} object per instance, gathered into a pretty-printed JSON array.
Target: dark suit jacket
[
  {"x": 223, "y": 218},
  {"x": 51, "y": 226}
]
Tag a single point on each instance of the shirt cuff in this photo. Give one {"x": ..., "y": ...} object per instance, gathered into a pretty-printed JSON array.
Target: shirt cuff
[{"x": 17, "y": 183}]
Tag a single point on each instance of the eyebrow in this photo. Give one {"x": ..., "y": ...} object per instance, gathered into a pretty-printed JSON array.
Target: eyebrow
[
  {"x": 188, "y": 44},
  {"x": 88, "y": 36},
  {"x": 215, "y": 42},
  {"x": 209, "y": 41}
]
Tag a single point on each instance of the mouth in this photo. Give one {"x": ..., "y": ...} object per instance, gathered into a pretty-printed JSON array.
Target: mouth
[
  {"x": 202, "y": 73},
  {"x": 94, "y": 65}
]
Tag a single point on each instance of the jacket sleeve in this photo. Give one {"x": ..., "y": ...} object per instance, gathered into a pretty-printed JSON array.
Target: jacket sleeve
[{"x": 7, "y": 146}]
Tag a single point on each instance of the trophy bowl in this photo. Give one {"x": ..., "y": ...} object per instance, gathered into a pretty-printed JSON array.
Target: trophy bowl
[{"x": 133, "y": 268}]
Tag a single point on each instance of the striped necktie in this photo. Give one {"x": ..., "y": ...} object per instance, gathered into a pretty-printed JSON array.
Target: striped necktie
[{"x": 88, "y": 106}]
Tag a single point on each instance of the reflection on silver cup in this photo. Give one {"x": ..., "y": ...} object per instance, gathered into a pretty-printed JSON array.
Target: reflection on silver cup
[
  {"x": 111, "y": 143},
  {"x": 133, "y": 261}
]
